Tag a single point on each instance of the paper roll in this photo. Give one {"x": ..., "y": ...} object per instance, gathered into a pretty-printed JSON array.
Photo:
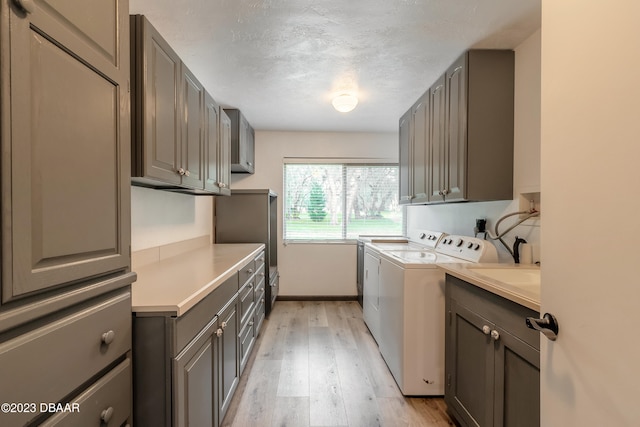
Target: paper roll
[{"x": 526, "y": 253}]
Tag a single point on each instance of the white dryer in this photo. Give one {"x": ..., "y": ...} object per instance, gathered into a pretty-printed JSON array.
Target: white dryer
[{"x": 411, "y": 310}]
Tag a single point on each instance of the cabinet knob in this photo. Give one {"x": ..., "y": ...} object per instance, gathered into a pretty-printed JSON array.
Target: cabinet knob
[
  {"x": 26, "y": 5},
  {"x": 187, "y": 173},
  {"x": 223, "y": 325},
  {"x": 222, "y": 185},
  {"x": 262, "y": 274},
  {"x": 250, "y": 270},
  {"x": 107, "y": 337},
  {"x": 219, "y": 332},
  {"x": 486, "y": 330},
  {"x": 181, "y": 172},
  {"x": 495, "y": 335},
  {"x": 106, "y": 415},
  {"x": 251, "y": 323},
  {"x": 262, "y": 300}
]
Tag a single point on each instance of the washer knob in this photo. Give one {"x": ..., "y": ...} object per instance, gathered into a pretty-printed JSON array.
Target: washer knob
[
  {"x": 422, "y": 235},
  {"x": 459, "y": 242},
  {"x": 470, "y": 245},
  {"x": 477, "y": 246}
]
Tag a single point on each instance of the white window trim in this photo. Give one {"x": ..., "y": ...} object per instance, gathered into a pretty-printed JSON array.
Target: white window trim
[{"x": 338, "y": 161}]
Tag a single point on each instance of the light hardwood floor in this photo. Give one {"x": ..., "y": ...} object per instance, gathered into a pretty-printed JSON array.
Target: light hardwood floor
[{"x": 316, "y": 364}]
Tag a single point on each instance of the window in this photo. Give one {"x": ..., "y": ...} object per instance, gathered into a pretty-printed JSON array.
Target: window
[{"x": 339, "y": 201}]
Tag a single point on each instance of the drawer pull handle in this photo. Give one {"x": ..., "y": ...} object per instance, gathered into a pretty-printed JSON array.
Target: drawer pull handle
[
  {"x": 106, "y": 415},
  {"x": 107, "y": 337}
]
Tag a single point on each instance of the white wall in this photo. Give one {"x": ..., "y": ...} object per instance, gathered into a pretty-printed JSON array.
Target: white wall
[
  {"x": 312, "y": 269},
  {"x": 460, "y": 218},
  {"x": 590, "y": 376},
  {"x": 161, "y": 217}
]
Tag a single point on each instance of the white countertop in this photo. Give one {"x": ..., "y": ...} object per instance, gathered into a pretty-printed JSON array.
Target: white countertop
[
  {"x": 527, "y": 296},
  {"x": 173, "y": 285}
]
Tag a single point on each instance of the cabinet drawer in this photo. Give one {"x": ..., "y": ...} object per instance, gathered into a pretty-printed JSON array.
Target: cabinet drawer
[
  {"x": 62, "y": 355},
  {"x": 107, "y": 402},
  {"x": 247, "y": 302},
  {"x": 506, "y": 314},
  {"x": 259, "y": 286},
  {"x": 259, "y": 315},
  {"x": 246, "y": 272},
  {"x": 246, "y": 340},
  {"x": 259, "y": 261}
]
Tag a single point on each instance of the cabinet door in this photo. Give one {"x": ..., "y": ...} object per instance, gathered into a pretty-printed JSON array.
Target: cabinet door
[
  {"x": 65, "y": 139},
  {"x": 229, "y": 359},
  {"x": 211, "y": 143},
  {"x": 469, "y": 366},
  {"x": 195, "y": 377},
  {"x": 406, "y": 165},
  {"x": 517, "y": 382},
  {"x": 224, "y": 154},
  {"x": 438, "y": 139},
  {"x": 192, "y": 93},
  {"x": 456, "y": 162},
  {"x": 161, "y": 92},
  {"x": 421, "y": 149},
  {"x": 246, "y": 145}
]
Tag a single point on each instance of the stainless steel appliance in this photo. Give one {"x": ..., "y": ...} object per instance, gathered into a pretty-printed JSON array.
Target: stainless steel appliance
[{"x": 251, "y": 216}]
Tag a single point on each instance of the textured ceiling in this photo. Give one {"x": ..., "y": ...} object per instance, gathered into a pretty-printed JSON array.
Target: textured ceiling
[{"x": 280, "y": 61}]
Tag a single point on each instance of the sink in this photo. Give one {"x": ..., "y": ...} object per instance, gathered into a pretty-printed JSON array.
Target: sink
[{"x": 521, "y": 277}]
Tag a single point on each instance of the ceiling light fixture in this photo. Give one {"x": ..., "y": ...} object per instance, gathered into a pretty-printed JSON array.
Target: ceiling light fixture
[{"x": 344, "y": 102}]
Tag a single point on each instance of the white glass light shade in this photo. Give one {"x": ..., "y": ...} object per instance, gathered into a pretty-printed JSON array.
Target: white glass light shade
[{"x": 344, "y": 102}]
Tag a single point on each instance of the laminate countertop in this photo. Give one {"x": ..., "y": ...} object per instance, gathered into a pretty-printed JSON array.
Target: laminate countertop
[
  {"x": 174, "y": 285},
  {"x": 519, "y": 283}
]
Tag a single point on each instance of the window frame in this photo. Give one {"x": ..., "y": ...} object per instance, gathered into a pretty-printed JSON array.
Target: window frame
[{"x": 344, "y": 163}]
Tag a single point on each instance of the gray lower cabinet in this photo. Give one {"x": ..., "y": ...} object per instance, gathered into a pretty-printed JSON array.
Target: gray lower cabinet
[
  {"x": 53, "y": 359},
  {"x": 65, "y": 305},
  {"x": 492, "y": 359},
  {"x": 187, "y": 368}
]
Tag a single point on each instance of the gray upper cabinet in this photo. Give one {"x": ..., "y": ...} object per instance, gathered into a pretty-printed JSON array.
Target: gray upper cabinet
[
  {"x": 406, "y": 166},
  {"x": 217, "y": 148},
  {"x": 175, "y": 123},
  {"x": 421, "y": 148},
  {"x": 242, "y": 143},
  {"x": 65, "y": 134},
  {"x": 192, "y": 153},
  {"x": 224, "y": 169},
  {"x": 438, "y": 139},
  {"x": 470, "y": 130},
  {"x": 156, "y": 117}
]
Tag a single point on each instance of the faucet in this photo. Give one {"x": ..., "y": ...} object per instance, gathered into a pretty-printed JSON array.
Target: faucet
[{"x": 516, "y": 249}]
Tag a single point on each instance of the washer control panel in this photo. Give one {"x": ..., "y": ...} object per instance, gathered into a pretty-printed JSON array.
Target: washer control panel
[
  {"x": 426, "y": 238},
  {"x": 468, "y": 248}
]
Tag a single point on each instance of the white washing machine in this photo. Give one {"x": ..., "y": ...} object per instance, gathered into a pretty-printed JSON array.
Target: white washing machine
[
  {"x": 419, "y": 240},
  {"x": 411, "y": 310}
]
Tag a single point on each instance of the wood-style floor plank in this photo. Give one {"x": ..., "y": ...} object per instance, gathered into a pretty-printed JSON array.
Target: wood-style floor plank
[{"x": 316, "y": 364}]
